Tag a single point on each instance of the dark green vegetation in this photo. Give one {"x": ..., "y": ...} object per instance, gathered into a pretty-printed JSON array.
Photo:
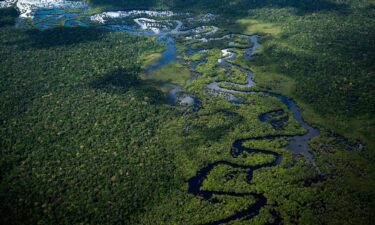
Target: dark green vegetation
[
  {"x": 69, "y": 109},
  {"x": 84, "y": 139}
]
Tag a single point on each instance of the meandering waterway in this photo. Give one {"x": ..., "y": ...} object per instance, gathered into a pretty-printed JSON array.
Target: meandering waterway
[{"x": 49, "y": 14}]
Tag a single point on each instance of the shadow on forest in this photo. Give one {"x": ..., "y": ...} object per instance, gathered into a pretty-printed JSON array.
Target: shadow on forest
[
  {"x": 128, "y": 4},
  {"x": 57, "y": 37},
  {"x": 62, "y": 36},
  {"x": 8, "y": 16},
  {"x": 123, "y": 80}
]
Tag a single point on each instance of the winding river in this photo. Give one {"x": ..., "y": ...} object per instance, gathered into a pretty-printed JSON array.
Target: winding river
[
  {"x": 47, "y": 16},
  {"x": 298, "y": 144}
]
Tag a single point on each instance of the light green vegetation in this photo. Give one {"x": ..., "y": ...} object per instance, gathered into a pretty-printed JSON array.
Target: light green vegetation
[
  {"x": 180, "y": 49},
  {"x": 253, "y": 26},
  {"x": 235, "y": 75},
  {"x": 273, "y": 81},
  {"x": 208, "y": 68},
  {"x": 216, "y": 44},
  {"x": 172, "y": 73},
  {"x": 197, "y": 57},
  {"x": 241, "y": 60},
  {"x": 150, "y": 59}
]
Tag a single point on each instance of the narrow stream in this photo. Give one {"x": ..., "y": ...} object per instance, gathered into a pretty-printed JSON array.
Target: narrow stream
[{"x": 298, "y": 144}]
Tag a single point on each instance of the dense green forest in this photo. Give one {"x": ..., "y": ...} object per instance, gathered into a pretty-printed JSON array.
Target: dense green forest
[{"x": 86, "y": 137}]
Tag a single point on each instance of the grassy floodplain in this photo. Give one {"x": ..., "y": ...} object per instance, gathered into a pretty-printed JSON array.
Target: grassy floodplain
[{"x": 174, "y": 73}]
